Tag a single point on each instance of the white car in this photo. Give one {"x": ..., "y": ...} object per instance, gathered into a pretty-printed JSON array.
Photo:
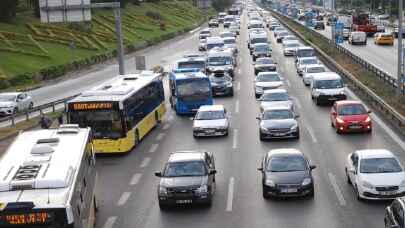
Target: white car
[
  {"x": 227, "y": 34},
  {"x": 202, "y": 45},
  {"x": 211, "y": 120},
  {"x": 267, "y": 80},
  {"x": 327, "y": 87},
  {"x": 375, "y": 174},
  {"x": 289, "y": 38},
  {"x": 302, "y": 62},
  {"x": 289, "y": 47},
  {"x": 275, "y": 97},
  {"x": 11, "y": 103},
  {"x": 311, "y": 70}
]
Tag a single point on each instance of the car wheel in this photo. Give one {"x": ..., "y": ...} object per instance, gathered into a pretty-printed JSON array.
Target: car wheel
[
  {"x": 311, "y": 194},
  {"x": 297, "y": 136},
  {"x": 317, "y": 101},
  {"x": 338, "y": 131},
  {"x": 348, "y": 178},
  {"x": 255, "y": 72},
  {"x": 231, "y": 93},
  {"x": 261, "y": 136},
  {"x": 358, "y": 195},
  {"x": 265, "y": 194},
  {"x": 162, "y": 206},
  {"x": 194, "y": 135},
  {"x": 254, "y": 58},
  {"x": 15, "y": 111},
  {"x": 31, "y": 106}
]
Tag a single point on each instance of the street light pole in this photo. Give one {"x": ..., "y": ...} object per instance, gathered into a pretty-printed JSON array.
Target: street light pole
[
  {"x": 400, "y": 54},
  {"x": 120, "y": 45}
]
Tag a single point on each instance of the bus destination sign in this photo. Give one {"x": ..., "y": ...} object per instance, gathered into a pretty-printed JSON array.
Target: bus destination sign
[
  {"x": 35, "y": 218},
  {"x": 91, "y": 106}
]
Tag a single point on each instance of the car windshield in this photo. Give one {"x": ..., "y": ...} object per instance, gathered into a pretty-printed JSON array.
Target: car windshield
[
  {"x": 259, "y": 40},
  {"x": 264, "y": 61},
  {"x": 210, "y": 115},
  {"x": 219, "y": 61},
  {"x": 229, "y": 41},
  {"x": 228, "y": 34},
  {"x": 277, "y": 114},
  {"x": 7, "y": 97},
  {"x": 213, "y": 45},
  {"x": 380, "y": 165},
  {"x": 275, "y": 97},
  {"x": 316, "y": 69},
  {"x": 286, "y": 164},
  {"x": 308, "y": 61},
  {"x": 328, "y": 84},
  {"x": 291, "y": 45},
  {"x": 185, "y": 169},
  {"x": 290, "y": 38},
  {"x": 261, "y": 48},
  {"x": 283, "y": 34},
  {"x": 268, "y": 78},
  {"x": 352, "y": 109},
  {"x": 191, "y": 64}
]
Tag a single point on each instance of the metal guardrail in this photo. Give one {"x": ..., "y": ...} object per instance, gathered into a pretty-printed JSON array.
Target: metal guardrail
[
  {"x": 372, "y": 98},
  {"x": 38, "y": 110}
]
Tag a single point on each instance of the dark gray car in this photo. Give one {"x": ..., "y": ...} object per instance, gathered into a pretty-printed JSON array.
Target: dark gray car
[
  {"x": 278, "y": 122},
  {"x": 187, "y": 178},
  {"x": 265, "y": 64}
]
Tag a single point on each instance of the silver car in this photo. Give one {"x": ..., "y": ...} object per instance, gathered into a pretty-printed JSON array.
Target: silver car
[
  {"x": 211, "y": 120},
  {"x": 11, "y": 103},
  {"x": 275, "y": 97},
  {"x": 278, "y": 122},
  {"x": 265, "y": 81}
]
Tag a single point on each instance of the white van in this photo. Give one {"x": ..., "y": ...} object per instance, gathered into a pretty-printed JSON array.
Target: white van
[
  {"x": 358, "y": 38},
  {"x": 213, "y": 42},
  {"x": 327, "y": 87}
]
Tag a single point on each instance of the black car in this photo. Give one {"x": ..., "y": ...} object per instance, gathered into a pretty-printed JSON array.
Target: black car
[
  {"x": 264, "y": 64},
  {"x": 394, "y": 214},
  {"x": 319, "y": 25},
  {"x": 221, "y": 84},
  {"x": 187, "y": 178},
  {"x": 286, "y": 173}
]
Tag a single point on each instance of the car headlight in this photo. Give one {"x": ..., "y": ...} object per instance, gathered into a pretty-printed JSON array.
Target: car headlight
[
  {"x": 270, "y": 183},
  {"x": 367, "y": 185},
  {"x": 368, "y": 119},
  {"x": 202, "y": 189},
  {"x": 342, "y": 92},
  {"x": 294, "y": 127},
  {"x": 197, "y": 128},
  {"x": 229, "y": 84},
  {"x": 263, "y": 129},
  {"x": 306, "y": 181},
  {"x": 162, "y": 190},
  {"x": 339, "y": 120}
]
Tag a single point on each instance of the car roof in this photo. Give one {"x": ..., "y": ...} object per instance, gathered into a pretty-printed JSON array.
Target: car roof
[
  {"x": 314, "y": 65},
  {"x": 375, "y": 153},
  {"x": 268, "y": 72},
  {"x": 269, "y": 91},
  {"x": 277, "y": 107},
  {"x": 211, "y": 108},
  {"x": 181, "y": 156},
  {"x": 284, "y": 151},
  {"x": 348, "y": 102},
  {"x": 260, "y": 44},
  {"x": 326, "y": 76}
]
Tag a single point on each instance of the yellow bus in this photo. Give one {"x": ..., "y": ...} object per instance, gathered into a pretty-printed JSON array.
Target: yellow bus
[{"x": 121, "y": 111}]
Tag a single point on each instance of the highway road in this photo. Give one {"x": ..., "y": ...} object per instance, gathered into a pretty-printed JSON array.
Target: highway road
[{"x": 127, "y": 185}]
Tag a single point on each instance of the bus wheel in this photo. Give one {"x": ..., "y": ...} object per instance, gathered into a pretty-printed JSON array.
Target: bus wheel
[
  {"x": 136, "y": 137},
  {"x": 157, "y": 117}
]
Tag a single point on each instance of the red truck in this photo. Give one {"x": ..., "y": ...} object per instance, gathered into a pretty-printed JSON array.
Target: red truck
[{"x": 361, "y": 22}]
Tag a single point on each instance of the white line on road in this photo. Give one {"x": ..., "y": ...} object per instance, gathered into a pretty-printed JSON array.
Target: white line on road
[
  {"x": 230, "y": 194},
  {"x": 194, "y": 30},
  {"x": 145, "y": 162},
  {"x": 166, "y": 126},
  {"x": 171, "y": 117},
  {"x": 238, "y": 86},
  {"x": 239, "y": 71},
  {"x": 123, "y": 199},
  {"x": 110, "y": 222},
  {"x": 237, "y": 106},
  {"x": 135, "y": 178},
  {"x": 297, "y": 103},
  {"x": 160, "y": 136},
  {"x": 235, "y": 139},
  {"x": 336, "y": 188},
  {"x": 288, "y": 82},
  {"x": 311, "y": 133},
  {"x": 153, "y": 148}
]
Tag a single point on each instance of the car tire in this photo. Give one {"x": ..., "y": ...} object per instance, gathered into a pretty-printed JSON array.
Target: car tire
[
  {"x": 358, "y": 197},
  {"x": 256, "y": 72},
  {"x": 254, "y": 58},
  {"x": 163, "y": 207},
  {"x": 261, "y": 136},
  {"x": 338, "y": 131},
  {"x": 348, "y": 178},
  {"x": 265, "y": 194},
  {"x": 31, "y": 106},
  {"x": 194, "y": 135},
  {"x": 15, "y": 111},
  {"x": 231, "y": 93},
  {"x": 317, "y": 102},
  {"x": 311, "y": 195}
]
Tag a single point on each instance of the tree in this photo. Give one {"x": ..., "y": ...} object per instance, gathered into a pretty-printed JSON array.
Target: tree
[{"x": 8, "y": 9}]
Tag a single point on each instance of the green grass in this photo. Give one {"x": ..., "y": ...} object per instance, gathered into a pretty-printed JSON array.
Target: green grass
[{"x": 177, "y": 15}]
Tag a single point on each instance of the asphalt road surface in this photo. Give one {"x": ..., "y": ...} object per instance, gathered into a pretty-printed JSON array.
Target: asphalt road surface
[{"x": 127, "y": 185}]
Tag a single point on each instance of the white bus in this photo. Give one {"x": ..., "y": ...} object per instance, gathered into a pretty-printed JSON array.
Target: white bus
[{"x": 48, "y": 179}]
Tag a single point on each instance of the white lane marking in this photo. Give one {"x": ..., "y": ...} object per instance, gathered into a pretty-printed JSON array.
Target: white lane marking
[
  {"x": 235, "y": 139},
  {"x": 123, "y": 199},
  {"x": 171, "y": 117},
  {"x": 229, "y": 201},
  {"x": 135, "y": 178},
  {"x": 311, "y": 133},
  {"x": 194, "y": 30},
  {"x": 297, "y": 103},
  {"x": 153, "y": 148},
  {"x": 336, "y": 188},
  {"x": 239, "y": 71},
  {"x": 166, "y": 126},
  {"x": 237, "y": 106},
  {"x": 380, "y": 122},
  {"x": 238, "y": 86},
  {"x": 110, "y": 222},
  {"x": 288, "y": 82},
  {"x": 160, "y": 136},
  {"x": 145, "y": 162}
]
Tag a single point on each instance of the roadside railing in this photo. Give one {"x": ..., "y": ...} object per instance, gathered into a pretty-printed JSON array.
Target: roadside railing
[{"x": 373, "y": 99}]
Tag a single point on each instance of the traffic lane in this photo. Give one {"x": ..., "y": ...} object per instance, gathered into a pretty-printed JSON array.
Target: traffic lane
[
  {"x": 335, "y": 149},
  {"x": 161, "y": 54}
]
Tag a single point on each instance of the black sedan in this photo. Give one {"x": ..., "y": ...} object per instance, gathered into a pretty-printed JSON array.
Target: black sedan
[
  {"x": 286, "y": 173},
  {"x": 221, "y": 84},
  {"x": 264, "y": 64}
]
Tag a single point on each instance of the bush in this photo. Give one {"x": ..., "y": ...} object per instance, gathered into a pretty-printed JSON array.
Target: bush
[{"x": 22, "y": 79}]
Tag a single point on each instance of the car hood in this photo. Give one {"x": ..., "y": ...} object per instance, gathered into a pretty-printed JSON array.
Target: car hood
[
  {"x": 265, "y": 104},
  {"x": 289, "y": 49},
  {"x": 210, "y": 123},
  {"x": 276, "y": 124},
  {"x": 310, "y": 75},
  {"x": 331, "y": 91},
  {"x": 269, "y": 84},
  {"x": 383, "y": 179},
  {"x": 287, "y": 177},
  {"x": 183, "y": 181},
  {"x": 354, "y": 117},
  {"x": 4, "y": 104},
  {"x": 230, "y": 45}
]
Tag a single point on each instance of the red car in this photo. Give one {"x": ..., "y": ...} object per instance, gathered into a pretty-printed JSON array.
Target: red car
[{"x": 350, "y": 116}]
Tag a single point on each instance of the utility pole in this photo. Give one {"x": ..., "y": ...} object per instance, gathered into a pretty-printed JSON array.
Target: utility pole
[
  {"x": 120, "y": 45},
  {"x": 400, "y": 54}
]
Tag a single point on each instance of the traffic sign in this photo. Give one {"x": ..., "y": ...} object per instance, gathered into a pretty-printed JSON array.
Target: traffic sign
[{"x": 65, "y": 10}]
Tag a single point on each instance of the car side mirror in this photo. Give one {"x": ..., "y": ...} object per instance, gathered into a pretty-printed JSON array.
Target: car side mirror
[
  {"x": 312, "y": 167},
  {"x": 297, "y": 116},
  {"x": 258, "y": 118},
  {"x": 260, "y": 169},
  {"x": 369, "y": 111},
  {"x": 158, "y": 174},
  {"x": 212, "y": 172}
]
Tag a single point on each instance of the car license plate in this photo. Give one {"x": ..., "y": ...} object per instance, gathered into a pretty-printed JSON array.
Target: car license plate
[
  {"x": 387, "y": 193},
  {"x": 355, "y": 127},
  {"x": 184, "y": 201},
  {"x": 279, "y": 134},
  {"x": 209, "y": 131},
  {"x": 289, "y": 190}
]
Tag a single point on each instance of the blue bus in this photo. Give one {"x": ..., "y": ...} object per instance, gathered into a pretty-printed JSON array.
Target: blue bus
[{"x": 189, "y": 89}]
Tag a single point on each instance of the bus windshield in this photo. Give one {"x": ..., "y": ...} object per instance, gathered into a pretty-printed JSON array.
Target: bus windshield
[
  {"x": 193, "y": 90},
  {"x": 191, "y": 64},
  {"x": 104, "y": 123}
]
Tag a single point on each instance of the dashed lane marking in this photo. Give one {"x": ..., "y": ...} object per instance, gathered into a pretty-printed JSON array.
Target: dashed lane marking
[
  {"x": 229, "y": 201},
  {"x": 153, "y": 148},
  {"x": 110, "y": 222},
  {"x": 160, "y": 136},
  {"x": 336, "y": 188},
  {"x": 135, "y": 178},
  {"x": 235, "y": 139},
  {"x": 166, "y": 126},
  {"x": 237, "y": 106},
  {"x": 238, "y": 86},
  {"x": 123, "y": 199},
  {"x": 312, "y": 134},
  {"x": 145, "y": 162}
]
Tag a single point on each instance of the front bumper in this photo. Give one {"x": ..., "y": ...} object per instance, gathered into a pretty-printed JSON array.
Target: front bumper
[
  {"x": 354, "y": 127},
  {"x": 210, "y": 132},
  {"x": 184, "y": 199},
  {"x": 6, "y": 111},
  {"x": 221, "y": 90},
  {"x": 373, "y": 194},
  {"x": 279, "y": 134},
  {"x": 295, "y": 190},
  {"x": 331, "y": 98}
]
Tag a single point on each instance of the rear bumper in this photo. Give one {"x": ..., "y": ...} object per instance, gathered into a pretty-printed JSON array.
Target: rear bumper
[
  {"x": 210, "y": 132},
  {"x": 331, "y": 98},
  {"x": 278, "y": 192}
]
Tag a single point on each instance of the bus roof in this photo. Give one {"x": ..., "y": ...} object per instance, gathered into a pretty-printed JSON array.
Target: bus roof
[
  {"x": 41, "y": 166},
  {"x": 187, "y": 75},
  {"x": 117, "y": 89}
]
